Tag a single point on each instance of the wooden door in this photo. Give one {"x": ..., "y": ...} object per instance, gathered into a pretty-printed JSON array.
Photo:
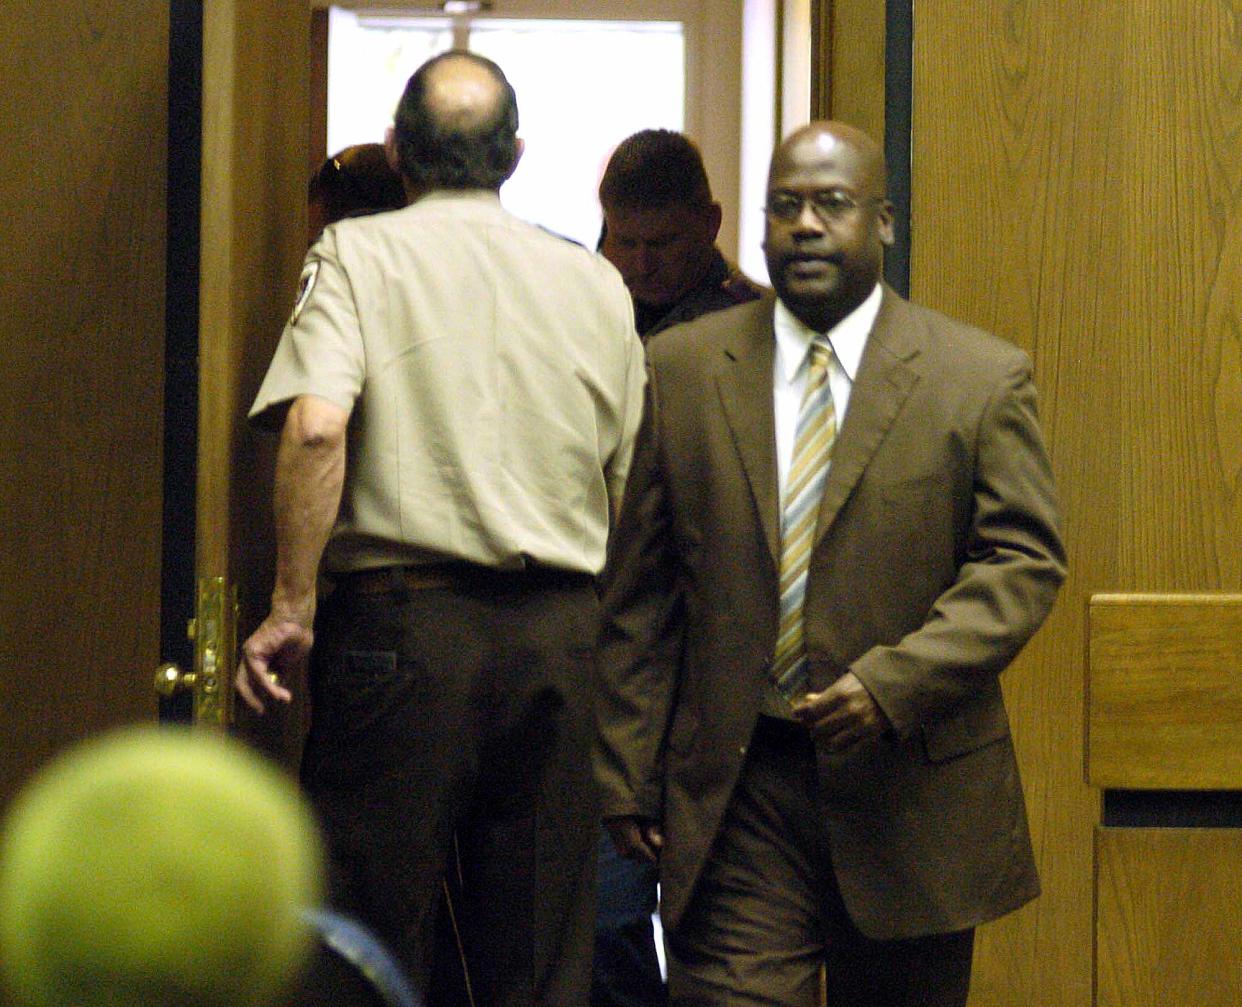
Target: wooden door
[
  {"x": 1077, "y": 188},
  {"x": 83, "y": 122},
  {"x": 87, "y": 248},
  {"x": 253, "y": 238}
]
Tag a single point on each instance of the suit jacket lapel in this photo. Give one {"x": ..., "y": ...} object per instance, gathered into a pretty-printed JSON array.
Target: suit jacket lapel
[
  {"x": 885, "y": 377},
  {"x": 744, "y": 382}
]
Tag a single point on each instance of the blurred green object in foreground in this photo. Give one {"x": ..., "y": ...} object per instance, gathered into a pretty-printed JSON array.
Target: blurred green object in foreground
[{"x": 156, "y": 867}]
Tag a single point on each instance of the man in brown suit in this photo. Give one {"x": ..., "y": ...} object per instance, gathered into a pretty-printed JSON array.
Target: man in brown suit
[{"x": 825, "y": 774}]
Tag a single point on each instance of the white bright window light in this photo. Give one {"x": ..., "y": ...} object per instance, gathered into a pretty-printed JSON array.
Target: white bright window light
[{"x": 577, "y": 95}]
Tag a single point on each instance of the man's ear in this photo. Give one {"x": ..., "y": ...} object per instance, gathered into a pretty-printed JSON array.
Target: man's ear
[
  {"x": 884, "y": 223},
  {"x": 714, "y": 216},
  {"x": 390, "y": 149},
  {"x": 394, "y": 162},
  {"x": 519, "y": 148}
]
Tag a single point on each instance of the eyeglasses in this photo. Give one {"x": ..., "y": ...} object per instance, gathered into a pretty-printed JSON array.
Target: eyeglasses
[{"x": 829, "y": 205}]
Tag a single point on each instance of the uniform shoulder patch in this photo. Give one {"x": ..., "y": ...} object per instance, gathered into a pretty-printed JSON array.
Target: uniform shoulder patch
[{"x": 310, "y": 273}]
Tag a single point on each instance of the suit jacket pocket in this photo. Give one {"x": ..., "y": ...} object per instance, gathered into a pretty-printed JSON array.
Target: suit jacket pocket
[{"x": 965, "y": 732}]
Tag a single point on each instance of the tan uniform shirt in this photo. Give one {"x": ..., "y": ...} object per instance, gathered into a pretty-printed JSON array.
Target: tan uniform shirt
[{"x": 495, "y": 382}]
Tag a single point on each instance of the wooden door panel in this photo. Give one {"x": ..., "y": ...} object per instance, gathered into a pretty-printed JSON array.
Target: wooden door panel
[
  {"x": 1164, "y": 692},
  {"x": 255, "y": 134},
  {"x": 1148, "y": 955},
  {"x": 82, "y": 177},
  {"x": 1077, "y": 188}
]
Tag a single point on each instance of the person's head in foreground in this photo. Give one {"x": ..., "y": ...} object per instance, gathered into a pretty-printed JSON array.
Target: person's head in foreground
[{"x": 156, "y": 867}]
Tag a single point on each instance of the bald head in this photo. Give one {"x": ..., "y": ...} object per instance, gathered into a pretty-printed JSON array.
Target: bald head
[
  {"x": 828, "y": 220},
  {"x": 837, "y": 142},
  {"x": 456, "y": 125},
  {"x": 462, "y": 93}
]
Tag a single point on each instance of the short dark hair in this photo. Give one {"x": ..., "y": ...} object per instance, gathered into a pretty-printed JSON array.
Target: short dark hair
[
  {"x": 356, "y": 181},
  {"x": 655, "y": 168},
  {"x": 437, "y": 152}
]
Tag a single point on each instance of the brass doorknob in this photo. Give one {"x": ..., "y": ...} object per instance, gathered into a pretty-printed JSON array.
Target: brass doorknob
[{"x": 170, "y": 680}]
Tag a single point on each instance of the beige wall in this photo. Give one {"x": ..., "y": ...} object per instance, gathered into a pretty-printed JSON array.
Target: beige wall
[{"x": 714, "y": 121}]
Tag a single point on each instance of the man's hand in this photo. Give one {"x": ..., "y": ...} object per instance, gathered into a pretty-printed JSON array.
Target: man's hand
[
  {"x": 310, "y": 474},
  {"x": 278, "y": 648},
  {"x": 636, "y": 838},
  {"x": 843, "y": 715}
]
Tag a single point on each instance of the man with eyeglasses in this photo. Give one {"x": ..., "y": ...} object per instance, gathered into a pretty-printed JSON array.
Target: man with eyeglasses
[{"x": 840, "y": 528}]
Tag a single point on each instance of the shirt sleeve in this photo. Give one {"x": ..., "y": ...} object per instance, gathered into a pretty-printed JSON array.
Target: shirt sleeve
[{"x": 321, "y": 350}]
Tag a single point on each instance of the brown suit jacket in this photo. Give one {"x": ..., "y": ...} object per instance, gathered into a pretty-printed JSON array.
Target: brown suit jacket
[{"x": 937, "y": 556}]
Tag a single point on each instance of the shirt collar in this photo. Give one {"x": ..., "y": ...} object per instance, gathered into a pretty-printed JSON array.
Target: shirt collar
[
  {"x": 848, "y": 337},
  {"x": 484, "y": 196}
]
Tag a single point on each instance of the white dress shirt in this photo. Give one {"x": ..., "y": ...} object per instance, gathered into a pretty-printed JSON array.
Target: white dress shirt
[{"x": 793, "y": 349}]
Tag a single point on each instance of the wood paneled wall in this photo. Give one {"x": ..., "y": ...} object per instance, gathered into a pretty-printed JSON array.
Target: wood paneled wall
[
  {"x": 83, "y": 122},
  {"x": 317, "y": 107},
  {"x": 1077, "y": 188},
  {"x": 1150, "y": 882},
  {"x": 1164, "y": 692}
]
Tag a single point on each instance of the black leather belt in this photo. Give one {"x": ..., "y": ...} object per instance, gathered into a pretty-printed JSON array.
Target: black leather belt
[
  {"x": 446, "y": 576},
  {"x": 383, "y": 579}
]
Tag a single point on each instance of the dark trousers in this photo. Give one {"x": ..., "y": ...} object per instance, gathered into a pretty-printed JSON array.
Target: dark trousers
[
  {"x": 766, "y": 915},
  {"x": 626, "y": 971},
  {"x": 450, "y": 740}
]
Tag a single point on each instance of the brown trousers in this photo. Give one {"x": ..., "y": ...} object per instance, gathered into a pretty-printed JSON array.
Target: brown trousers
[
  {"x": 450, "y": 743},
  {"x": 766, "y": 916}
]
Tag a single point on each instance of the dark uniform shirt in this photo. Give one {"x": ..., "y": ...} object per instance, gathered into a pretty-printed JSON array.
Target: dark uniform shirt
[{"x": 722, "y": 287}]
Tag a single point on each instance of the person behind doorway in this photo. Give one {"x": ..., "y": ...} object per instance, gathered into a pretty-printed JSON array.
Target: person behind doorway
[
  {"x": 840, "y": 528},
  {"x": 660, "y": 227},
  {"x": 353, "y": 182},
  {"x": 458, "y": 394}
]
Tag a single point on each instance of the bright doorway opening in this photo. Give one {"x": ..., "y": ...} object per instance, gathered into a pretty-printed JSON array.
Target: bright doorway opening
[{"x": 578, "y": 94}]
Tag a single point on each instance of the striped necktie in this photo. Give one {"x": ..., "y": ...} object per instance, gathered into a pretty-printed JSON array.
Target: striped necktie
[{"x": 804, "y": 488}]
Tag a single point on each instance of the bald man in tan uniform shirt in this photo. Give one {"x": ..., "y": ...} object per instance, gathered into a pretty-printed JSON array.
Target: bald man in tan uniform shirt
[{"x": 459, "y": 393}]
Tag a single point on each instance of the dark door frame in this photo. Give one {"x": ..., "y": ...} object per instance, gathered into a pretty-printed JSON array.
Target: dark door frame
[
  {"x": 185, "y": 122},
  {"x": 898, "y": 105},
  {"x": 898, "y": 115}
]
